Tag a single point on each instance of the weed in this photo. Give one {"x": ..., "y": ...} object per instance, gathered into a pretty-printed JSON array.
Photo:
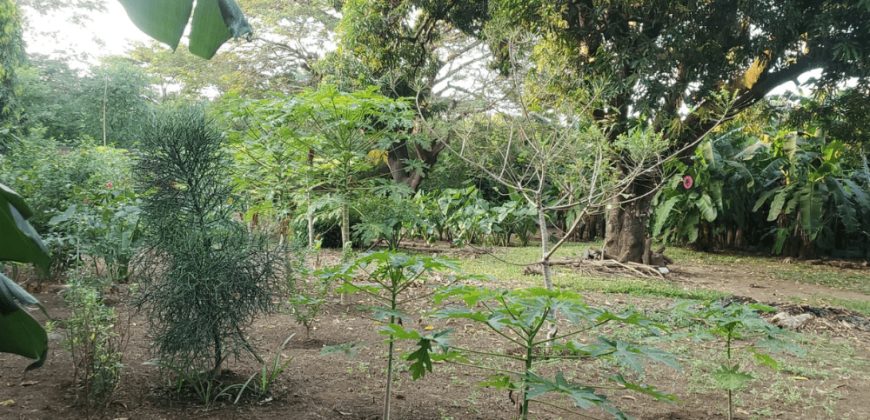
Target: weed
[{"x": 95, "y": 339}]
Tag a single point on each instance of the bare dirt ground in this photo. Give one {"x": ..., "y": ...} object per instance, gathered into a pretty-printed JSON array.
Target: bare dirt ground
[{"x": 338, "y": 387}]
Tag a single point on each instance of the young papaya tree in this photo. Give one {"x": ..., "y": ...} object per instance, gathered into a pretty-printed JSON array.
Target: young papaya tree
[{"x": 322, "y": 141}]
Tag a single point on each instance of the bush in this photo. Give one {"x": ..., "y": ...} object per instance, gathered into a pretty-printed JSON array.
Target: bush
[
  {"x": 82, "y": 198},
  {"x": 204, "y": 277},
  {"x": 94, "y": 339}
]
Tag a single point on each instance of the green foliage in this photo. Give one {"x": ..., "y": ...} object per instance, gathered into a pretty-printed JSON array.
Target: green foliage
[
  {"x": 11, "y": 58},
  {"x": 764, "y": 182},
  {"x": 22, "y": 333},
  {"x": 720, "y": 181},
  {"x": 519, "y": 317},
  {"x": 51, "y": 95},
  {"x": 214, "y": 22},
  {"x": 70, "y": 105},
  {"x": 95, "y": 339},
  {"x": 384, "y": 218},
  {"x": 125, "y": 91},
  {"x": 810, "y": 190},
  {"x": 104, "y": 227},
  {"x": 308, "y": 292},
  {"x": 266, "y": 377},
  {"x": 392, "y": 274},
  {"x": 74, "y": 206},
  {"x": 314, "y": 151},
  {"x": 728, "y": 321},
  {"x": 196, "y": 249},
  {"x": 463, "y": 216}
]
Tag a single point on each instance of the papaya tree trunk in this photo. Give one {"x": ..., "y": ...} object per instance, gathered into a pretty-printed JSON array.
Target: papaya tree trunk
[{"x": 345, "y": 224}]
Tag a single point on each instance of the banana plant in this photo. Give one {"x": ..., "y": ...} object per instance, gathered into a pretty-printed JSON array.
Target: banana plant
[
  {"x": 214, "y": 22},
  {"x": 711, "y": 190},
  {"x": 810, "y": 191},
  {"x": 22, "y": 334}
]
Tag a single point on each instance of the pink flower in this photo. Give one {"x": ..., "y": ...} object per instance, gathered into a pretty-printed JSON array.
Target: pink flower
[
  {"x": 687, "y": 181},
  {"x": 109, "y": 184}
]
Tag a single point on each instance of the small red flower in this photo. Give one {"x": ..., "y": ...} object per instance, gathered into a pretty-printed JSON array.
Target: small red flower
[
  {"x": 86, "y": 201},
  {"x": 687, "y": 181},
  {"x": 109, "y": 184}
]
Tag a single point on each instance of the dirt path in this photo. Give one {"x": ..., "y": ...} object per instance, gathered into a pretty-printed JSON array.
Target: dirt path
[{"x": 761, "y": 285}]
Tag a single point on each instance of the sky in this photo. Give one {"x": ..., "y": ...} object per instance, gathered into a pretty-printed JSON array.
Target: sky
[{"x": 113, "y": 27}]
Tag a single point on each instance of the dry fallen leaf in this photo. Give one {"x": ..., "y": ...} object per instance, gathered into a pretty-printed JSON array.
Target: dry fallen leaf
[
  {"x": 28, "y": 383},
  {"x": 7, "y": 402}
]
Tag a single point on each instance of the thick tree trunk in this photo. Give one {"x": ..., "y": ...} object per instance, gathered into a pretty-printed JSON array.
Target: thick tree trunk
[
  {"x": 626, "y": 230},
  {"x": 399, "y": 154}
]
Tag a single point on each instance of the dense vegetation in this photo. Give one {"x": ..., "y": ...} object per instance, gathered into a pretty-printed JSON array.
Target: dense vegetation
[{"x": 205, "y": 185}]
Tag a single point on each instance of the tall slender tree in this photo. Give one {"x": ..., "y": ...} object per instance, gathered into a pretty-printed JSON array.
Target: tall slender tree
[{"x": 11, "y": 57}]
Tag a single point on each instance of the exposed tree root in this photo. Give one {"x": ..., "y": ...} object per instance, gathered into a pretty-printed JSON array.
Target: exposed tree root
[{"x": 601, "y": 266}]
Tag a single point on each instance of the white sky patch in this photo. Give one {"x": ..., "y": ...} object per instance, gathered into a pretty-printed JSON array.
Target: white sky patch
[{"x": 109, "y": 33}]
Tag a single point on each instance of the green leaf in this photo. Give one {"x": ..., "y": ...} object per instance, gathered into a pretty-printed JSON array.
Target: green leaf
[
  {"x": 811, "y": 210},
  {"x": 644, "y": 389},
  {"x": 421, "y": 360},
  {"x": 761, "y": 200},
  {"x": 498, "y": 382},
  {"x": 349, "y": 349},
  {"x": 662, "y": 213},
  {"x": 163, "y": 20},
  {"x": 765, "y": 359},
  {"x": 708, "y": 210},
  {"x": 20, "y": 241},
  {"x": 583, "y": 396},
  {"x": 630, "y": 355},
  {"x": 214, "y": 22},
  {"x": 776, "y": 204},
  {"x": 22, "y": 334},
  {"x": 731, "y": 379}
]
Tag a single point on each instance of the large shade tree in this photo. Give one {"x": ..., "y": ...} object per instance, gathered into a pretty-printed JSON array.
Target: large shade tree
[
  {"x": 664, "y": 57},
  {"x": 409, "y": 49}
]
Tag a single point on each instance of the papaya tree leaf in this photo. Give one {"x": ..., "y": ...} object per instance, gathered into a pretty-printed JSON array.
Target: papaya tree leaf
[{"x": 731, "y": 379}]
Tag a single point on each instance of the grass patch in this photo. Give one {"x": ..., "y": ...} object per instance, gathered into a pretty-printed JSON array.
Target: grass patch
[
  {"x": 851, "y": 280},
  {"x": 860, "y": 306},
  {"x": 506, "y": 266}
]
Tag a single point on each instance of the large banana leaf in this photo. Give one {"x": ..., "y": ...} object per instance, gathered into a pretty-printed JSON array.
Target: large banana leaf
[
  {"x": 214, "y": 22},
  {"x": 20, "y": 241},
  {"x": 21, "y": 333},
  {"x": 708, "y": 210},
  {"x": 811, "y": 201}
]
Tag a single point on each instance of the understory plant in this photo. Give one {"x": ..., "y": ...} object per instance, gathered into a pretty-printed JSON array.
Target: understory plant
[
  {"x": 731, "y": 322},
  {"x": 519, "y": 317},
  {"x": 389, "y": 276},
  {"x": 263, "y": 380},
  {"x": 308, "y": 295},
  {"x": 204, "y": 277},
  {"x": 95, "y": 339}
]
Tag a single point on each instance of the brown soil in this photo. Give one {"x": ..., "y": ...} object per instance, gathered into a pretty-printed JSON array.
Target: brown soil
[{"x": 342, "y": 388}]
